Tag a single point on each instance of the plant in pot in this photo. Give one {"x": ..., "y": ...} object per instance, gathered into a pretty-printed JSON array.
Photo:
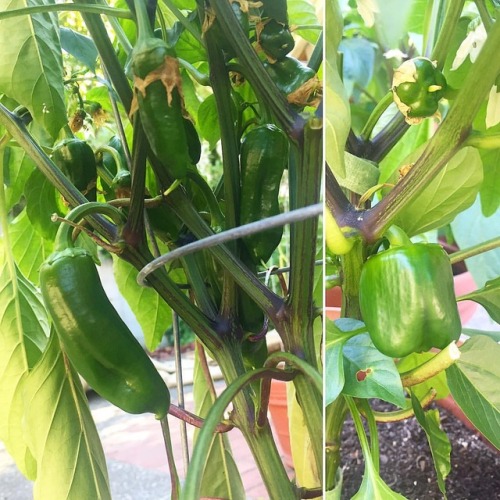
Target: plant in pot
[
  {"x": 104, "y": 125},
  {"x": 412, "y": 141}
]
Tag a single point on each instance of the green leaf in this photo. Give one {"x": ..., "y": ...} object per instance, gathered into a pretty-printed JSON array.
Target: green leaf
[
  {"x": 360, "y": 176},
  {"x": 221, "y": 478},
  {"x": 453, "y": 190},
  {"x": 189, "y": 49},
  {"x": 337, "y": 334},
  {"x": 495, "y": 335},
  {"x": 154, "y": 316},
  {"x": 28, "y": 247},
  {"x": 369, "y": 373},
  {"x": 438, "y": 382},
  {"x": 488, "y": 297},
  {"x": 474, "y": 380},
  {"x": 24, "y": 330},
  {"x": 415, "y": 137},
  {"x": 17, "y": 167},
  {"x": 31, "y": 69},
  {"x": 62, "y": 434},
  {"x": 415, "y": 21},
  {"x": 336, "y": 492},
  {"x": 208, "y": 121},
  {"x": 358, "y": 64},
  {"x": 392, "y": 21},
  {"x": 438, "y": 441},
  {"x": 485, "y": 266},
  {"x": 490, "y": 190},
  {"x": 41, "y": 203},
  {"x": 81, "y": 47},
  {"x": 337, "y": 109},
  {"x": 302, "y": 12}
]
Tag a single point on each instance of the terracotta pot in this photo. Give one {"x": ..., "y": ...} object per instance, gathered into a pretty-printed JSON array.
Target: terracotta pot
[{"x": 278, "y": 407}]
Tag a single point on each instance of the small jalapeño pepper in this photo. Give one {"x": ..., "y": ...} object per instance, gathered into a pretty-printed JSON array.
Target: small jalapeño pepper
[{"x": 93, "y": 336}]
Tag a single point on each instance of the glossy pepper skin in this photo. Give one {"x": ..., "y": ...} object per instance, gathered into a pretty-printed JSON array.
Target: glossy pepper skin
[
  {"x": 276, "y": 40},
  {"x": 94, "y": 337},
  {"x": 289, "y": 75},
  {"x": 76, "y": 160},
  {"x": 158, "y": 90},
  {"x": 264, "y": 156},
  {"x": 418, "y": 86},
  {"x": 407, "y": 299}
]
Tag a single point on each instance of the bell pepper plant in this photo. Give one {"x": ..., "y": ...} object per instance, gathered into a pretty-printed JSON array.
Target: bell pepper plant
[{"x": 411, "y": 150}]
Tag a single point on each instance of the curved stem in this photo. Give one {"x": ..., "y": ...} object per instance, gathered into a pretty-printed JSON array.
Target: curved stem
[
  {"x": 174, "y": 478},
  {"x": 379, "y": 110},
  {"x": 276, "y": 479},
  {"x": 444, "y": 359}
]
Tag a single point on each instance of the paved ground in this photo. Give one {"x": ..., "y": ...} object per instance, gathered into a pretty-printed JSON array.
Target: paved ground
[{"x": 136, "y": 457}]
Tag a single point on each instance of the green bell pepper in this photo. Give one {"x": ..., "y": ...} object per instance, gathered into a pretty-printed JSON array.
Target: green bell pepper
[
  {"x": 418, "y": 86},
  {"x": 407, "y": 299}
]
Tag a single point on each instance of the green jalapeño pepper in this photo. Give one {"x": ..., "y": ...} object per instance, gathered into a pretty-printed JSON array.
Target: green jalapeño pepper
[
  {"x": 407, "y": 299},
  {"x": 298, "y": 82},
  {"x": 264, "y": 156},
  {"x": 275, "y": 39},
  {"x": 76, "y": 160},
  {"x": 417, "y": 87},
  {"x": 159, "y": 98},
  {"x": 92, "y": 335}
]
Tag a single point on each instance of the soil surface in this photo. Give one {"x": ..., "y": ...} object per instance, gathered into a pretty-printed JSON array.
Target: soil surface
[{"x": 406, "y": 463}]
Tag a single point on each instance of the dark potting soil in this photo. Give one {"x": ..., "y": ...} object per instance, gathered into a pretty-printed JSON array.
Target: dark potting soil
[{"x": 406, "y": 463}]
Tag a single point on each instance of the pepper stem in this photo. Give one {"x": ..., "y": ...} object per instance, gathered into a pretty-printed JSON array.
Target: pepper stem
[
  {"x": 444, "y": 359},
  {"x": 397, "y": 237},
  {"x": 64, "y": 233}
]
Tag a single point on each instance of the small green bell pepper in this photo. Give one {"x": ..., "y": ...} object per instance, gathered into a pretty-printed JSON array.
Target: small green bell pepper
[
  {"x": 407, "y": 299},
  {"x": 418, "y": 86}
]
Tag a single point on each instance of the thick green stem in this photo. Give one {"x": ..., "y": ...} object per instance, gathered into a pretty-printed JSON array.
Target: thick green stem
[
  {"x": 305, "y": 183},
  {"x": 444, "y": 144},
  {"x": 483, "y": 141},
  {"x": 352, "y": 263},
  {"x": 335, "y": 414},
  {"x": 230, "y": 160},
  {"x": 381, "y": 106},
  {"x": 107, "y": 52}
]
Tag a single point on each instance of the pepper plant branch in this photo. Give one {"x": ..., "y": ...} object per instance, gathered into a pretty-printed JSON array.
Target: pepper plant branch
[
  {"x": 221, "y": 86},
  {"x": 305, "y": 185},
  {"x": 368, "y": 413},
  {"x": 16, "y": 128},
  {"x": 230, "y": 235},
  {"x": 447, "y": 32},
  {"x": 109, "y": 59},
  {"x": 483, "y": 141},
  {"x": 444, "y": 144},
  {"x": 189, "y": 26},
  {"x": 174, "y": 477},
  {"x": 195, "y": 420},
  {"x": 335, "y": 415},
  {"x": 276, "y": 480},
  {"x": 478, "y": 249},
  {"x": 386, "y": 139},
  {"x": 375, "y": 115},
  {"x": 316, "y": 58},
  {"x": 288, "y": 119},
  {"x": 67, "y": 7}
]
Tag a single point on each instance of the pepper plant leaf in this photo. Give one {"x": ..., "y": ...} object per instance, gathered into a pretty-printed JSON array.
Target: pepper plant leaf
[
  {"x": 24, "y": 329},
  {"x": 78, "y": 468},
  {"x": 81, "y": 47},
  {"x": 369, "y": 373},
  {"x": 337, "y": 334},
  {"x": 337, "y": 110},
  {"x": 474, "y": 380},
  {"x": 488, "y": 297},
  {"x": 17, "y": 168},
  {"x": 215, "y": 483},
  {"x": 438, "y": 441},
  {"x": 453, "y": 190},
  {"x": 33, "y": 42},
  {"x": 153, "y": 315},
  {"x": 302, "y": 13}
]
